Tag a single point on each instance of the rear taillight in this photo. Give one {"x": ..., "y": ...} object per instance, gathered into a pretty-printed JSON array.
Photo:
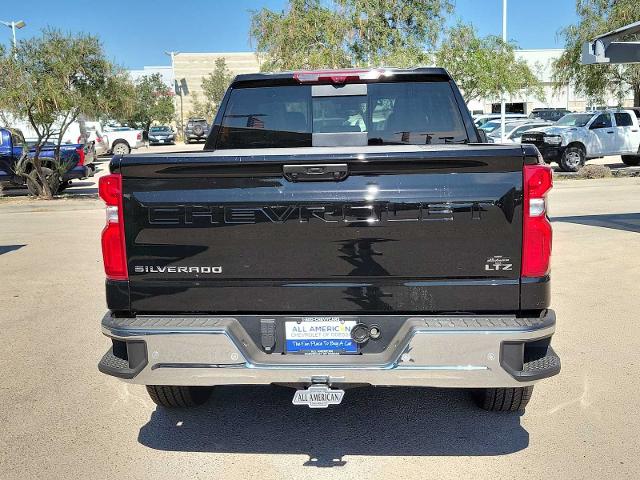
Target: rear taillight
[
  {"x": 339, "y": 76},
  {"x": 536, "y": 241},
  {"x": 81, "y": 156},
  {"x": 139, "y": 136},
  {"x": 98, "y": 139},
  {"x": 113, "y": 245}
]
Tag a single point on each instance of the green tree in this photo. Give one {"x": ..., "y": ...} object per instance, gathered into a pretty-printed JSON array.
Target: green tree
[
  {"x": 198, "y": 107},
  {"x": 307, "y": 35},
  {"x": 484, "y": 67},
  {"x": 596, "y": 17},
  {"x": 153, "y": 102},
  {"x": 214, "y": 87},
  {"x": 343, "y": 33},
  {"x": 393, "y": 33},
  {"x": 52, "y": 80}
]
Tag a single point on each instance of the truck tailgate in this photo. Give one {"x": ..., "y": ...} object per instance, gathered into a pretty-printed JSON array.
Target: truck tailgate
[{"x": 354, "y": 229}]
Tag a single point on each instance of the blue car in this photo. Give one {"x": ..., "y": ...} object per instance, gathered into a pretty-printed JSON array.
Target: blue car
[{"x": 74, "y": 157}]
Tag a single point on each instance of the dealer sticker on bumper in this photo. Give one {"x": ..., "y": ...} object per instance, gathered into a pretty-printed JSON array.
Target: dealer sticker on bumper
[
  {"x": 318, "y": 396},
  {"x": 323, "y": 335}
]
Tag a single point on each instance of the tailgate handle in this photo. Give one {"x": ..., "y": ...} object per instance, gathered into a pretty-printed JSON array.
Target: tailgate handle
[{"x": 315, "y": 172}]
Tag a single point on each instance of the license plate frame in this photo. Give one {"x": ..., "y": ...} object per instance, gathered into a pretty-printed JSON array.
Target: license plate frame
[{"x": 320, "y": 336}]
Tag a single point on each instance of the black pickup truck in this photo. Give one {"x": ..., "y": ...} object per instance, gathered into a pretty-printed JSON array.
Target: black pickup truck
[{"x": 340, "y": 229}]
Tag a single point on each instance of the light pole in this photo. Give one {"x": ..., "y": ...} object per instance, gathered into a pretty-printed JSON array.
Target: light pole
[
  {"x": 13, "y": 25},
  {"x": 502, "y": 100},
  {"x": 177, "y": 88}
]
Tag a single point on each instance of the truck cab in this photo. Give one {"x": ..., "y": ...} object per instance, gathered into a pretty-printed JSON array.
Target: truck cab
[
  {"x": 578, "y": 137},
  {"x": 11, "y": 145}
]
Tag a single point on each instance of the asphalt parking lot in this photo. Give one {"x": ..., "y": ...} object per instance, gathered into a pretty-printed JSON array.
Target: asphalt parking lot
[{"x": 61, "y": 418}]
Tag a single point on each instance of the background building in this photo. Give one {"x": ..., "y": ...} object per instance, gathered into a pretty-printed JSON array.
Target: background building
[
  {"x": 193, "y": 67},
  {"x": 165, "y": 72},
  {"x": 541, "y": 61},
  {"x": 189, "y": 69}
]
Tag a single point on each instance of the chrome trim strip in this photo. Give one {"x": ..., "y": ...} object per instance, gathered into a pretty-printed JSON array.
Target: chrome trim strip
[{"x": 324, "y": 367}]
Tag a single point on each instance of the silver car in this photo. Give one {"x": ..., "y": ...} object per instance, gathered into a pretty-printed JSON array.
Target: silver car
[{"x": 514, "y": 130}]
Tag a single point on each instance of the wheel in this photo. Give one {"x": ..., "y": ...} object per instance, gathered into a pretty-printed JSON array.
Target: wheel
[
  {"x": 34, "y": 186},
  {"x": 175, "y": 397},
  {"x": 572, "y": 159},
  {"x": 503, "y": 399},
  {"x": 198, "y": 130},
  {"x": 631, "y": 160},
  {"x": 121, "y": 148}
]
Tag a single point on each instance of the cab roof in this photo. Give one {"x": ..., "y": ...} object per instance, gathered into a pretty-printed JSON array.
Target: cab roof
[{"x": 342, "y": 76}]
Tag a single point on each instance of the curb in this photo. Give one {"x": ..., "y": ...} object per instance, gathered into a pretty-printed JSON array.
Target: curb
[{"x": 618, "y": 172}]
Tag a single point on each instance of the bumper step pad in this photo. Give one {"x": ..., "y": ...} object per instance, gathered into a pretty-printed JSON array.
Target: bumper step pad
[
  {"x": 110, "y": 361},
  {"x": 544, "y": 365},
  {"x": 541, "y": 363},
  {"x": 136, "y": 353}
]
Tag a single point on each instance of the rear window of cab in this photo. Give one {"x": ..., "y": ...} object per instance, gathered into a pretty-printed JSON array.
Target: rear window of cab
[{"x": 398, "y": 113}]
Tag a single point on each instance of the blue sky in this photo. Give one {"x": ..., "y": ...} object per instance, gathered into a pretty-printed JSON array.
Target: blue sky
[{"x": 136, "y": 33}]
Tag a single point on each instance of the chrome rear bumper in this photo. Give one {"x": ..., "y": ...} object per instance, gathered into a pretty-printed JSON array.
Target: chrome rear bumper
[{"x": 430, "y": 351}]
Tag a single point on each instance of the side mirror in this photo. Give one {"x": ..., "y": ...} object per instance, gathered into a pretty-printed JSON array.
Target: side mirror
[
  {"x": 483, "y": 136},
  {"x": 596, "y": 125}
]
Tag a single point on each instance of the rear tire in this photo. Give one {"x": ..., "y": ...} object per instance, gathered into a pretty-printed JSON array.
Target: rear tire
[
  {"x": 169, "y": 396},
  {"x": 631, "y": 160},
  {"x": 33, "y": 185},
  {"x": 504, "y": 399},
  {"x": 572, "y": 159},
  {"x": 121, "y": 148}
]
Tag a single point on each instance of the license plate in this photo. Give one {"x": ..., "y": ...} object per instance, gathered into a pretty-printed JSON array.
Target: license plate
[
  {"x": 318, "y": 396},
  {"x": 320, "y": 335}
]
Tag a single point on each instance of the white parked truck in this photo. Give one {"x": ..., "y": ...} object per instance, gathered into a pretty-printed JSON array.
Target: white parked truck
[
  {"x": 578, "y": 137},
  {"x": 123, "y": 139}
]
